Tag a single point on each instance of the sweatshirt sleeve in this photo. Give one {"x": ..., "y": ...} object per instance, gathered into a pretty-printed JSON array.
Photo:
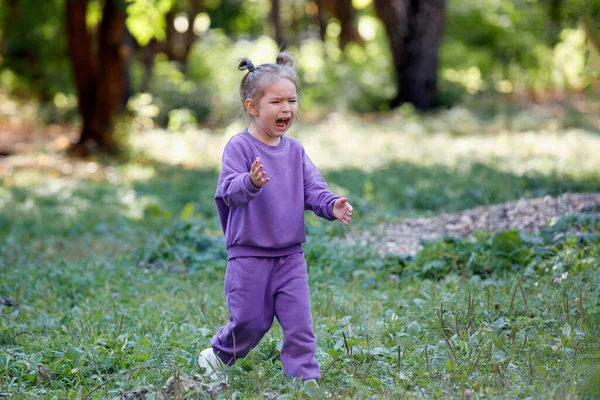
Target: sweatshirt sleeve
[
  {"x": 234, "y": 187},
  {"x": 317, "y": 197}
]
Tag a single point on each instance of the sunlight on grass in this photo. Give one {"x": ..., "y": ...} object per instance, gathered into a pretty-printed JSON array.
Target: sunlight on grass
[
  {"x": 526, "y": 142},
  {"x": 118, "y": 268}
]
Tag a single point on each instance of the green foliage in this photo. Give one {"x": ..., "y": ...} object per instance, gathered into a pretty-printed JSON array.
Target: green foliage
[
  {"x": 406, "y": 186},
  {"x": 358, "y": 78},
  {"x": 32, "y": 37},
  {"x": 509, "y": 252},
  {"x": 511, "y": 46},
  {"x": 501, "y": 61},
  {"x": 118, "y": 269},
  {"x": 146, "y": 20},
  {"x": 238, "y": 17},
  {"x": 101, "y": 318},
  {"x": 581, "y": 222},
  {"x": 185, "y": 245},
  {"x": 173, "y": 91},
  {"x": 508, "y": 248},
  {"x": 491, "y": 46}
]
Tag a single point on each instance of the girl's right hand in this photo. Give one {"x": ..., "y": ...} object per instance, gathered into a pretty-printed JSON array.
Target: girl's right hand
[{"x": 258, "y": 176}]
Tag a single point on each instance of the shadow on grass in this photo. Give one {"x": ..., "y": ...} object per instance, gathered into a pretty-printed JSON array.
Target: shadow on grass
[
  {"x": 398, "y": 190},
  {"x": 572, "y": 111},
  {"x": 405, "y": 189}
]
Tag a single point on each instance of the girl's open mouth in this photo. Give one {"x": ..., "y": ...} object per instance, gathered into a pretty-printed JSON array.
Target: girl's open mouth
[{"x": 282, "y": 123}]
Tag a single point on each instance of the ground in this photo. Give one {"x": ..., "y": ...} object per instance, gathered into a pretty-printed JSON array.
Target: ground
[
  {"x": 405, "y": 237},
  {"x": 111, "y": 272}
]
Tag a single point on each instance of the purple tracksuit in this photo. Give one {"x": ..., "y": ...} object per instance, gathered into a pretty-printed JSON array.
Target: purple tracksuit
[{"x": 264, "y": 229}]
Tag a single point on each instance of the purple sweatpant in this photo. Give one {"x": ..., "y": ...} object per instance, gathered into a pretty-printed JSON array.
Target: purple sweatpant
[{"x": 258, "y": 289}]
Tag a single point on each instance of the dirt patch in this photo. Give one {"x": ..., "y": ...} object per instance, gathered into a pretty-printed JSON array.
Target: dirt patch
[
  {"x": 405, "y": 237},
  {"x": 25, "y": 137}
]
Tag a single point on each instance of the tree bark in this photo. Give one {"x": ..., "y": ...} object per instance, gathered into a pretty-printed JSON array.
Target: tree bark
[
  {"x": 179, "y": 45},
  {"x": 554, "y": 24},
  {"x": 171, "y": 40},
  {"x": 147, "y": 55},
  {"x": 592, "y": 34},
  {"x": 100, "y": 78},
  {"x": 127, "y": 50},
  {"x": 415, "y": 29},
  {"x": 346, "y": 13},
  {"x": 321, "y": 18},
  {"x": 82, "y": 60},
  {"x": 275, "y": 17},
  {"x": 196, "y": 7}
]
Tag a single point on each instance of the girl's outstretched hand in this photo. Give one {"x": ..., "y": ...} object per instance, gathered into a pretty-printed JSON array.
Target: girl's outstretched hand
[
  {"x": 258, "y": 177},
  {"x": 342, "y": 211}
]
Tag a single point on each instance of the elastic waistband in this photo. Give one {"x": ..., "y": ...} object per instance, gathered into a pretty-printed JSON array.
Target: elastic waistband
[{"x": 252, "y": 251}]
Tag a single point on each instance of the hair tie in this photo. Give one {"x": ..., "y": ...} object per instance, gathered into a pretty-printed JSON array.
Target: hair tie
[{"x": 251, "y": 66}]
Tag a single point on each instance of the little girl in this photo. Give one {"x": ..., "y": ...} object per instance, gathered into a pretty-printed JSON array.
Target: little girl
[{"x": 266, "y": 183}]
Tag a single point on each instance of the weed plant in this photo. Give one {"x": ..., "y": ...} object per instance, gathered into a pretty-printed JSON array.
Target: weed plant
[{"x": 111, "y": 281}]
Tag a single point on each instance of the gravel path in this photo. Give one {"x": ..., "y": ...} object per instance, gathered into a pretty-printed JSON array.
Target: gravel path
[{"x": 404, "y": 237}]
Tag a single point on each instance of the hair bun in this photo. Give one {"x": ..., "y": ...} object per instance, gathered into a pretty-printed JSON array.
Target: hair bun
[
  {"x": 285, "y": 58},
  {"x": 246, "y": 64}
]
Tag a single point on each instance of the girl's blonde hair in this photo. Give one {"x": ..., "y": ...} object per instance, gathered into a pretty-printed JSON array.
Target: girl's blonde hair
[{"x": 258, "y": 78}]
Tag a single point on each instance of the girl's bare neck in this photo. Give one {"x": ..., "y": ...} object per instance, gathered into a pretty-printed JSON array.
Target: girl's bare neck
[{"x": 263, "y": 137}]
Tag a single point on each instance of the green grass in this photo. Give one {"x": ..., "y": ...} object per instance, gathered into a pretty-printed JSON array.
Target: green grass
[{"x": 118, "y": 273}]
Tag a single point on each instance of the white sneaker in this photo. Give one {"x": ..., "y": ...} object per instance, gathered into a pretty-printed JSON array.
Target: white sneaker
[{"x": 213, "y": 366}]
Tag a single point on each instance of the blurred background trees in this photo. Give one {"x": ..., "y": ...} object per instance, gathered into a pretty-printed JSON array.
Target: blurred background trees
[
  {"x": 99, "y": 67},
  {"x": 172, "y": 62},
  {"x": 414, "y": 29}
]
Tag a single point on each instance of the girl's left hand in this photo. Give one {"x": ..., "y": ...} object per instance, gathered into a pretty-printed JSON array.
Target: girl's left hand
[{"x": 342, "y": 211}]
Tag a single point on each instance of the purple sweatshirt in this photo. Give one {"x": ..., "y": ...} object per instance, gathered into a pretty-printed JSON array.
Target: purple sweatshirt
[{"x": 268, "y": 221}]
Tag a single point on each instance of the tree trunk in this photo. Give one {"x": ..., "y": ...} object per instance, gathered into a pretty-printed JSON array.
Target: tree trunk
[
  {"x": 82, "y": 60},
  {"x": 127, "y": 49},
  {"x": 171, "y": 41},
  {"x": 414, "y": 29},
  {"x": 147, "y": 55},
  {"x": 554, "y": 24},
  {"x": 196, "y": 8},
  {"x": 275, "y": 17},
  {"x": 178, "y": 45},
  {"x": 14, "y": 13},
  {"x": 296, "y": 28},
  {"x": 321, "y": 18},
  {"x": 346, "y": 13},
  {"x": 100, "y": 80},
  {"x": 592, "y": 34}
]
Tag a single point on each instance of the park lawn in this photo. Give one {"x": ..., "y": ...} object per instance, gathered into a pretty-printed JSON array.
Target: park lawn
[{"x": 117, "y": 268}]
